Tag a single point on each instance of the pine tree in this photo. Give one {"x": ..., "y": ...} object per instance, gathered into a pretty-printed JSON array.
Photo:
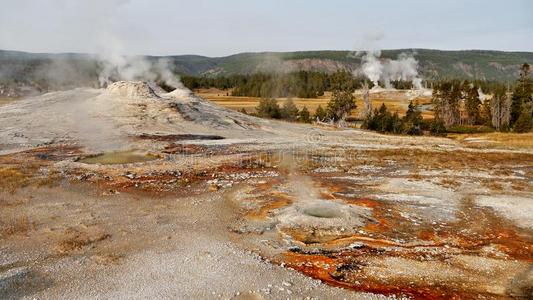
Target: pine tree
[
  {"x": 289, "y": 111},
  {"x": 413, "y": 114},
  {"x": 341, "y": 104},
  {"x": 412, "y": 120},
  {"x": 398, "y": 125},
  {"x": 320, "y": 114},
  {"x": 472, "y": 105},
  {"x": 268, "y": 108},
  {"x": 524, "y": 123},
  {"x": 439, "y": 100},
  {"x": 453, "y": 107},
  {"x": 437, "y": 127},
  {"x": 342, "y": 100},
  {"x": 304, "y": 115},
  {"x": 486, "y": 115},
  {"x": 446, "y": 99},
  {"x": 522, "y": 99}
]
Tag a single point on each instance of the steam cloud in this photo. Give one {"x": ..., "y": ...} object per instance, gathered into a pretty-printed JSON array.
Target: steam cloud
[
  {"x": 376, "y": 69},
  {"x": 99, "y": 23},
  {"x": 405, "y": 67},
  {"x": 482, "y": 95},
  {"x": 130, "y": 68},
  {"x": 110, "y": 51}
]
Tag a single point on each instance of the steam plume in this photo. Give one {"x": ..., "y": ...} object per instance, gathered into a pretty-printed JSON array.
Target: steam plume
[
  {"x": 137, "y": 68},
  {"x": 372, "y": 67},
  {"x": 405, "y": 67},
  {"x": 106, "y": 35}
]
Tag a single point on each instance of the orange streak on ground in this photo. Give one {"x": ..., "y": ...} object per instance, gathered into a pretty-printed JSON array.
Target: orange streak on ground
[
  {"x": 370, "y": 242},
  {"x": 322, "y": 267},
  {"x": 365, "y": 202},
  {"x": 263, "y": 212}
]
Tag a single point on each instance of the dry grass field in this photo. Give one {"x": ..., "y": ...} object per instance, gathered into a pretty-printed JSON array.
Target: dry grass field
[
  {"x": 498, "y": 139},
  {"x": 395, "y": 101},
  {"x": 4, "y": 101}
]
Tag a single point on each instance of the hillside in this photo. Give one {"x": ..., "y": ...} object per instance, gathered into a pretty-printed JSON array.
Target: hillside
[
  {"x": 45, "y": 71},
  {"x": 480, "y": 64}
]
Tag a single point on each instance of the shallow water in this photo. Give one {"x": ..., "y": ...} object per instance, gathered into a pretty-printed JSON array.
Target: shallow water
[
  {"x": 5, "y": 101},
  {"x": 396, "y": 236},
  {"x": 119, "y": 157},
  {"x": 323, "y": 210}
]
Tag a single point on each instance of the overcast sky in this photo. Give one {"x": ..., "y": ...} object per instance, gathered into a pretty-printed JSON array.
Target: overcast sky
[{"x": 223, "y": 27}]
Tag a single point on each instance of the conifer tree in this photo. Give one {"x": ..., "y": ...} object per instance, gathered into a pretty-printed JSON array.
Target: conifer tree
[
  {"x": 472, "y": 105},
  {"x": 304, "y": 115},
  {"x": 522, "y": 98}
]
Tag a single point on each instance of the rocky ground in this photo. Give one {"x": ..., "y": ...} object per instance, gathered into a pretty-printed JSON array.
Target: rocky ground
[{"x": 131, "y": 192}]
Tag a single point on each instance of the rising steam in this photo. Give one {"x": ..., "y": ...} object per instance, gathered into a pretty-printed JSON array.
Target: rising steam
[
  {"x": 371, "y": 66},
  {"x": 106, "y": 36},
  {"x": 405, "y": 67},
  {"x": 378, "y": 69},
  {"x": 119, "y": 67}
]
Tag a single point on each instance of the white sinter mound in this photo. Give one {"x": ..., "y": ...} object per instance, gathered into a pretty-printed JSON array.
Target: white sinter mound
[{"x": 131, "y": 89}]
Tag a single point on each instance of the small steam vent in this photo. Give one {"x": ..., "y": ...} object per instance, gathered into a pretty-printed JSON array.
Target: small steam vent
[{"x": 131, "y": 89}]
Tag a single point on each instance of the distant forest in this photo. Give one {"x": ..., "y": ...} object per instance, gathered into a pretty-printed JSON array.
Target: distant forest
[
  {"x": 457, "y": 104},
  {"x": 278, "y": 72},
  {"x": 301, "y": 84}
]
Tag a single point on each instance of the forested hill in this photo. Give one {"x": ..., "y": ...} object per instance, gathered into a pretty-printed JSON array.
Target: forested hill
[
  {"x": 434, "y": 64},
  {"x": 82, "y": 69}
]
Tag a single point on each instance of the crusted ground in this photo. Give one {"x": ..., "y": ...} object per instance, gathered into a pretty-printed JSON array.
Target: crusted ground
[{"x": 132, "y": 193}]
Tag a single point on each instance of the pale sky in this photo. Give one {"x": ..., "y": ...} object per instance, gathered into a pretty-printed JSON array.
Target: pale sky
[{"x": 224, "y": 27}]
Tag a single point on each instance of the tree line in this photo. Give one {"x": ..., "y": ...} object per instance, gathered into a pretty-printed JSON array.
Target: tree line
[
  {"x": 458, "y": 107},
  {"x": 342, "y": 86},
  {"x": 301, "y": 84},
  {"x": 457, "y": 103}
]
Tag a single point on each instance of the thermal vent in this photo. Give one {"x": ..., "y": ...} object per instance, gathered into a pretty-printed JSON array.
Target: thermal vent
[{"x": 131, "y": 89}]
